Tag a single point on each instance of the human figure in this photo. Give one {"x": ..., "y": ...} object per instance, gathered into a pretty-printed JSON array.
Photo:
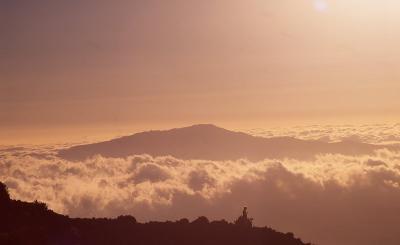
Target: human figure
[
  {"x": 244, "y": 213},
  {"x": 243, "y": 220}
]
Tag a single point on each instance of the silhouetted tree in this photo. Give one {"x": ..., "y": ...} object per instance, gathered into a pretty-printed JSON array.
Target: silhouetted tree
[
  {"x": 40, "y": 206},
  {"x": 202, "y": 220},
  {"x": 183, "y": 221},
  {"x": 127, "y": 219}
]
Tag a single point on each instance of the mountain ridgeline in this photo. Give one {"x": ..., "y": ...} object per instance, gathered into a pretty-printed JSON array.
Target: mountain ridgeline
[
  {"x": 33, "y": 223},
  {"x": 209, "y": 142}
]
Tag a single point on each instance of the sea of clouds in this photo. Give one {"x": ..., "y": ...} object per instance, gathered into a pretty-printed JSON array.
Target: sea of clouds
[
  {"x": 333, "y": 199},
  {"x": 368, "y": 133}
]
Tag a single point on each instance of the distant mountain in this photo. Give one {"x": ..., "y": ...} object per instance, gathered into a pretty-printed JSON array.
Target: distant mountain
[
  {"x": 209, "y": 142},
  {"x": 33, "y": 223}
]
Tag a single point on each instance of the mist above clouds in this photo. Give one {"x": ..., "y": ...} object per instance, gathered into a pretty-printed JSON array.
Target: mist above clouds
[
  {"x": 333, "y": 199},
  {"x": 369, "y": 133}
]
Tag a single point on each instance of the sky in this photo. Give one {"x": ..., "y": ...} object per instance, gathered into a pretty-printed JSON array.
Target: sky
[{"x": 73, "y": 69}]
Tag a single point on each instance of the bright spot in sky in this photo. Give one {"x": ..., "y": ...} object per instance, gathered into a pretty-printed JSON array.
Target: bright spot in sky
[{"x": 320, "y": 5}]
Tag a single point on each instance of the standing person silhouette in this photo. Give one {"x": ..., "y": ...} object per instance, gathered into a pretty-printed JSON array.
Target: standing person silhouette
[
  {"x": 244, "y": 213},
  {"x": 244, "y": 220}
]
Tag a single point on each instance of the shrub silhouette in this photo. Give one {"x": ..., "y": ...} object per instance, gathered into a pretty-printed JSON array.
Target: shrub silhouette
[
  {"x": 126, "y": 219},
  {"x": 183, "y": 221},
  {"x": 202, "y": 220},
  {"x": 40, "y": 206},
  {"x": 4, "y": 195}
]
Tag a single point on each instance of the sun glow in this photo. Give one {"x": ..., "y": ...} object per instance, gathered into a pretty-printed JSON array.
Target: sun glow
[{"x": 320, "y": 5}]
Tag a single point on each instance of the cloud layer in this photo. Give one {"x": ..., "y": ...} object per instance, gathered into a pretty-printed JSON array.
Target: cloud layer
[
  {"x": 369, "y": 133},
  {"x": 333, "y": 199}
]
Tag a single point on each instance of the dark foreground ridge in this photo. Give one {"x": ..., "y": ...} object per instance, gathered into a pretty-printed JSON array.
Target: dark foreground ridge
[{"x": 33, "y": 223}]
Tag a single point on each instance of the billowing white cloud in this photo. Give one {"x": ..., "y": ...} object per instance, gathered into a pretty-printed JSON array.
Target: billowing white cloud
[{"x": 333, "y": 199}]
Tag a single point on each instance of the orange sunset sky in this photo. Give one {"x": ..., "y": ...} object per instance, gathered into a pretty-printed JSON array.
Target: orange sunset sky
[{"x": 69, "y": 69}]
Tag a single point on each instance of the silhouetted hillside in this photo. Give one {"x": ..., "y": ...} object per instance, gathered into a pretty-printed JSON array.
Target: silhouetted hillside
[
  {"x": 33, "y": 223},
  {"x": 213, "y": 143}
]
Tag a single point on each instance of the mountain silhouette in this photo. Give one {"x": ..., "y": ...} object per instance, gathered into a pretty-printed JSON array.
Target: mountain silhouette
[
  {"x": 33, "y": 223},
  {"x": 209, "y": 142}
]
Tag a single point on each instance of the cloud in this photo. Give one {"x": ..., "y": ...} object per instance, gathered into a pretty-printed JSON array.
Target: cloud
[
  {"x": 372, "y": 134},
  {"x": 333, "y": 199},
  {"x": 197, "y": 180},
  {"x": 150, "y": 172}
]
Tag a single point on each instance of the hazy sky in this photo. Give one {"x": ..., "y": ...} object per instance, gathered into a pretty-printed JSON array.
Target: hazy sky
[{"x": 83, "y": 66}]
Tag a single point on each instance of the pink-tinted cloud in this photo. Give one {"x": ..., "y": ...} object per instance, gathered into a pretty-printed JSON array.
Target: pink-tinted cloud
[{"x": 370, "y": 133}]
